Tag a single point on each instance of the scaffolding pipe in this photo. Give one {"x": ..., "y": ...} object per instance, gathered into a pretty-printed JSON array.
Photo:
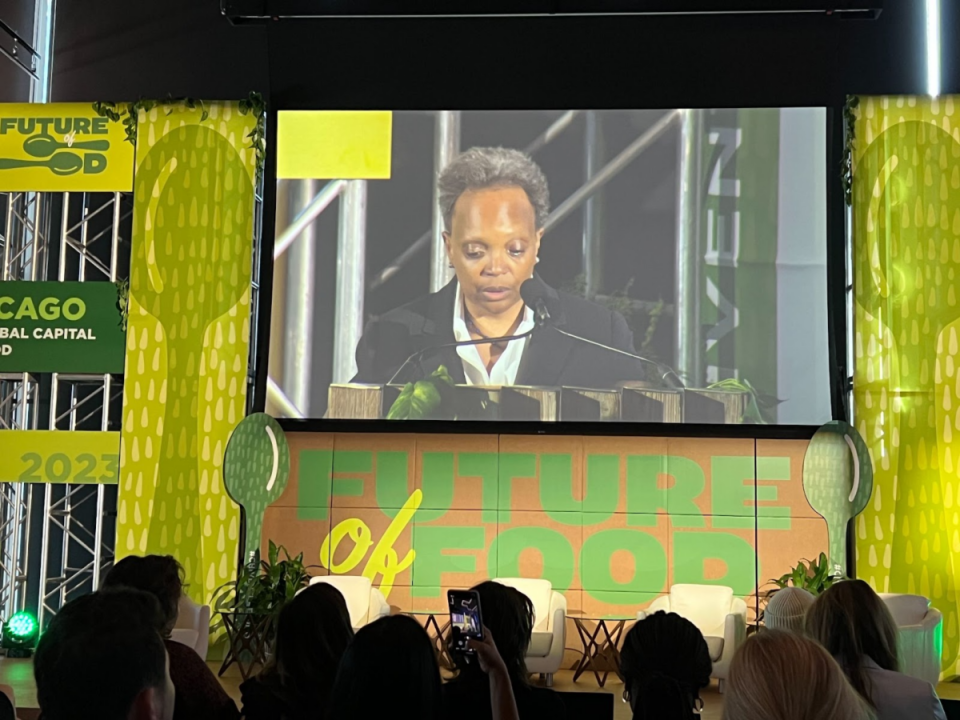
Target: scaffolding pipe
[
  {"x": 546, "y": 137},
  {"x": 446, "y": 146},
  {"x": 592, "y": 241},
  {"x": 278, "y": 398},
  {"x": 5, "y": 273},
  {"x": 552, "y": 132},
  {"x": 311, "y": 210},
  {"x": 611, "y": 169},
  {"x": 689, "y": 252},
  {"x": 351, "y": 252},
  {"x": 299, "y": 303}
]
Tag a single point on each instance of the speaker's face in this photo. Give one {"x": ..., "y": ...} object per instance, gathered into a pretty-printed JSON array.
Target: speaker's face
[{"x": 493, "y": 244}]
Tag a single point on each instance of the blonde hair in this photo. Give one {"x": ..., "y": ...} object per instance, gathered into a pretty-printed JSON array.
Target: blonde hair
[{"x": 777, "y": 675}]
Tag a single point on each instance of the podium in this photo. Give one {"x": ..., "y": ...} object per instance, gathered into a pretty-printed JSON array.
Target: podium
[{"x": 635, "y": 402}]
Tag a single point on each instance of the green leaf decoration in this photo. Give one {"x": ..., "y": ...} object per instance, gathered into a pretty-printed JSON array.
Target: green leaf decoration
[
  {"x": 130, "y": 113},
  {"x": 416, "y": 401},
  {"x": 256, "y": 468}
]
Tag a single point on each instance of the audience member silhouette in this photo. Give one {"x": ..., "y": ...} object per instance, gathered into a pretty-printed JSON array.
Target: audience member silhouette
[
  {"x": 199, "y": 695},
  {"x": 313, "y": 631},
  {"x": 391, "y": 668},
  {"x": 780, "y": 675},
  {"x": 787, "y": 609},
  {"x": 508, "y": 614},
  {"x": 665, "y": 663},
  {"x": 101, "y": 658},
  {"x": 850, "y": 620}
]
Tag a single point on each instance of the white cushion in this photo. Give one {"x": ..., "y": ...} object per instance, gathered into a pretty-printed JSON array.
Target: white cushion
[
  {"x": 714, "y": 647},
  {"x": 355, "y": 590},
  {"x": 188, "y": 615},
  {"x": 540, "y": 644},
  {"x": 185, "y": 637},
  {"x": 706, "y": 606},
  {"x": 906, "y": 609},
  {"x": 539, "y": 591}
]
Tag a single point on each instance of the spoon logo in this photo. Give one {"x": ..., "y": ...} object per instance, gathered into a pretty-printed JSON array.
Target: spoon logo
[
  {"x": 62, "y": 151},
  {"x": 66, "y": 157}
]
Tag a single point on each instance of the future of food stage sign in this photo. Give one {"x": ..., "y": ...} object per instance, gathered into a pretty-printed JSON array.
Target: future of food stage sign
[
  {"x": 62, "y": 147},
  {"x": 73, "y": 327},
  {"x": 612, "y": 522}
]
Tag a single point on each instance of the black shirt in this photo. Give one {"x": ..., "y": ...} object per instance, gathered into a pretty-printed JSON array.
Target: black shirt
[
  {"x": 549, "y": 359},
  {"x": 264, "y": 699},
  {"x": 469, "y": 699}
]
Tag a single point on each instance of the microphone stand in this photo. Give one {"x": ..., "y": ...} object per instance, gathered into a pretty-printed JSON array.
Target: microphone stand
[
  {"x": 462, "y": 343},
  {"x": 668, "y": 376}
]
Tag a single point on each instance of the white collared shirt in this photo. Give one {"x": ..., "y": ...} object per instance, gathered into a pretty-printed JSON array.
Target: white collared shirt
[{"x": 504, "y": 371}]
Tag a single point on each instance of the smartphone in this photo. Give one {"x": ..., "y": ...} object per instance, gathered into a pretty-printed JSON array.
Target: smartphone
[{"x": 466, "y": 622}]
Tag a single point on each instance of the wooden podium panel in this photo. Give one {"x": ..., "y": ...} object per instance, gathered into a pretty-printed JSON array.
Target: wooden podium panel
[
  {"x": 529, "y": 403},
  {"x": 588, "y": 405},
  {"x": 551, "y": 404},
  {"x": 353, "y": 401},
  {"x": 715, "y": 407},
  {"x": 651, "y": 405}
]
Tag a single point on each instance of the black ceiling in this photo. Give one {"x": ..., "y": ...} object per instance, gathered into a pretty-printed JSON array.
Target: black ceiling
[{"x": 126, "y": 50}]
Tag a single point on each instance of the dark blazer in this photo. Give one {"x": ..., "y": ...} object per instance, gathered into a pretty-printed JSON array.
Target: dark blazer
[{"x": 549, "y": 358}]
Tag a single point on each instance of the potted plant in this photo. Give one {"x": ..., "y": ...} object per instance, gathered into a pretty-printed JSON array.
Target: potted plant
[
  {"x": 248, "y": 606},
  {"x": 810, "y": 575}
]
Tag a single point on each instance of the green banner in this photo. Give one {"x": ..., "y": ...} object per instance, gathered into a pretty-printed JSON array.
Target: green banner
[
  {"x": 739, "y": 244},
  {"x": 69, "y": 327},
  {"x": 189, "y": 324},
  {"x": 906, "y": 379}
]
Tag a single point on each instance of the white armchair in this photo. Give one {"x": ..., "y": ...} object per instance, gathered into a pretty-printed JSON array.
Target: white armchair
[
  {"x": 365, "y": 603},
  {"x": 721, "y": 617},
  {"x": 920, "y": 633},
  {"x": 193, "y": 626},
  {"x": 545, "y": 654}
]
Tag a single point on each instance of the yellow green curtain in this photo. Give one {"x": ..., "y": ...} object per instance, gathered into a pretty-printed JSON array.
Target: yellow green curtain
[
  {"x": 906, "y": 257},
  {"x": 187, "y": 337}
]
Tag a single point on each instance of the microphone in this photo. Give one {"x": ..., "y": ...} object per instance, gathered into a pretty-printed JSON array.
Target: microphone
[
  {"x": 536, "y": 297},
  {"x": 462, "y": 343},
  {"x": 535, "y": 294}
]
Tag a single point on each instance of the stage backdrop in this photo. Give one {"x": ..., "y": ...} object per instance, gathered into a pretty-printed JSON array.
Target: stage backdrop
[
  {"x": 612, "y": 522},
  {"x": 906, "y": 228},
  {"x": 188, "y": 337}
]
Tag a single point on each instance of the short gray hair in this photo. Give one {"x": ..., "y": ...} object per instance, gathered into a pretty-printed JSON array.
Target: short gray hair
[{"x": 480, "y": 168}]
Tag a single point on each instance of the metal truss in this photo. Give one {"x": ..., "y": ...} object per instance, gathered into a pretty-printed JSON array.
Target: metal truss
[{"x": 78, "y": 237}]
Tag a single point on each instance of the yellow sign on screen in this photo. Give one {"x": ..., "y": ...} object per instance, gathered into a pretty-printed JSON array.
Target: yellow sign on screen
[
  {"x": 59, "y": 456},
  {"x": 334, "y": 145},
  {"x": 62, "y": 147}
]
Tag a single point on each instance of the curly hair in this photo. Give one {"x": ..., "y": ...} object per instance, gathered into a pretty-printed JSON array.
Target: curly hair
[
  {"x": 159, "y": 575},
  {"x": 508, "y": 614},
  {"x": 665, "y": 663},
  {"x": 482, "y": 168}
]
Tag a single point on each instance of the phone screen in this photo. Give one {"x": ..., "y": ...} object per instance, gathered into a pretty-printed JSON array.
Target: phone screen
[{"x": 466, "y": 621}]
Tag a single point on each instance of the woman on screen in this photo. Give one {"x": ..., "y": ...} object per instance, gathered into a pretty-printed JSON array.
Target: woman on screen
[{"x": 494, "y": 203}]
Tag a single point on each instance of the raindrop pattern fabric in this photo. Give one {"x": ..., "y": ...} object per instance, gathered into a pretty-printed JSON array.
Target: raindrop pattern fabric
[
  {"x": 188, "y": 338},
  {"x": 906, "y": 229}
]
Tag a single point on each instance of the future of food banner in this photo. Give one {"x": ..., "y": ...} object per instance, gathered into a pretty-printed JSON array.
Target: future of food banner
[
  {"x": 906, "y": 229},
  {"x": 188, "y": 337}
]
